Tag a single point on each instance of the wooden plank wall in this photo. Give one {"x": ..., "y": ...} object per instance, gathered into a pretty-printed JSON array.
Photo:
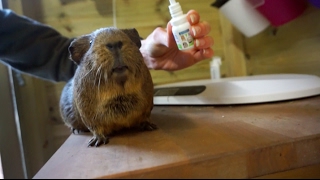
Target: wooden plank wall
[{"x": 294, "y": 48}]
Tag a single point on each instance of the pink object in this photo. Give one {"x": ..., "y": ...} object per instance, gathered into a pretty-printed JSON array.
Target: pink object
[{"x": 279, "y": 12}]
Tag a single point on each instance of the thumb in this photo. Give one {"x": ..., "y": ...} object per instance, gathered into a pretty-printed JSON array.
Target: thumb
[{"x": 171, "y": 40}]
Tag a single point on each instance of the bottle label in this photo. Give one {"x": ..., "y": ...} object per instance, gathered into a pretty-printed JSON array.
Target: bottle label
[{"x": 184, "y": 40}]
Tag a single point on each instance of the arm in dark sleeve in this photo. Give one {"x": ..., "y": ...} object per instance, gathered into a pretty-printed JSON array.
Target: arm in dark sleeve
[{"x": 34, "y": 48}]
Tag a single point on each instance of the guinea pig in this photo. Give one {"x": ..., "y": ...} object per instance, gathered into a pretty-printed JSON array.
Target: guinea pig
[{"x": 112, "y": 87}]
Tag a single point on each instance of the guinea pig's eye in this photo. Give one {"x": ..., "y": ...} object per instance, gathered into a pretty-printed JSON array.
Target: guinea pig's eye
[{"x": 90, "y": 42}]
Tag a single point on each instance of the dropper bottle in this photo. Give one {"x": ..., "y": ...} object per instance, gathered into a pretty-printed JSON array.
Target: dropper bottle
[{"x": 180, "y": 27}]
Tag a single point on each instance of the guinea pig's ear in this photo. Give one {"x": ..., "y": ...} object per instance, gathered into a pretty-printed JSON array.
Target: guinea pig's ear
[
  {"x": 133, "y": 35},
  {"x": 79, "y": 47}
]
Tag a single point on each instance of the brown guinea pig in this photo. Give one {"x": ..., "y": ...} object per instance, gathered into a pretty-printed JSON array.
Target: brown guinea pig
[{"x": 112, "y": 87}]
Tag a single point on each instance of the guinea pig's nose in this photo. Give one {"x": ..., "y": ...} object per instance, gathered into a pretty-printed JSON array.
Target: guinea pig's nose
[{"x": 113, "y": 46}]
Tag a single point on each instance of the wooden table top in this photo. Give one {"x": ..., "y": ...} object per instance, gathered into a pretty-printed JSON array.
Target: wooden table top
[{"x": 239, "y": 141}]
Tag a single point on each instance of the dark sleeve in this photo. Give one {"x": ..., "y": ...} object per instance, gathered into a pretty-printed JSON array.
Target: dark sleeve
[{"x": 34, "y": 48}]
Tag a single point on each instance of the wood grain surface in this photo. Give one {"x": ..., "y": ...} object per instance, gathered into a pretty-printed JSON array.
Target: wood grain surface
[{"x": 242, "y": 141}]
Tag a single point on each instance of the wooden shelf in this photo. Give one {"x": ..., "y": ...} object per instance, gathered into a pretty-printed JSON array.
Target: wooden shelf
[{"x": 243, "y": 141}]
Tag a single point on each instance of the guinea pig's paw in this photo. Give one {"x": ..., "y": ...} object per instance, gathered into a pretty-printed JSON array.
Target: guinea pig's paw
[
  {"x": 75, "y": 131},
  {"x": 97, "y": 141},
  {"x": 148, "y": 126},
  {"x": 78, "y": 131}
]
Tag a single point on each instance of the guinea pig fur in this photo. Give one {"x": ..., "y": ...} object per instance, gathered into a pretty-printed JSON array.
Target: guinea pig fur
[{"x": 112, "y": 87}]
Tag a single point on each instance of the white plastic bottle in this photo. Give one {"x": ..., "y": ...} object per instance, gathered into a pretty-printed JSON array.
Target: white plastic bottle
[
  {"x": 180, "y": 27},
  {"x": 215, "y": 67}
]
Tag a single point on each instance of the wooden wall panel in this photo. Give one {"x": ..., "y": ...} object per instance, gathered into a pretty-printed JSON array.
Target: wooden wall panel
[
  {"x": 234, "y": 58},
  {"x": 75, "y": 18},
  {"x": 295, "y": 48}
]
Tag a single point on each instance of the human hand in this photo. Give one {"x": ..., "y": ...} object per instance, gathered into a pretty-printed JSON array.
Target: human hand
[{"x": 160, "y": 51}]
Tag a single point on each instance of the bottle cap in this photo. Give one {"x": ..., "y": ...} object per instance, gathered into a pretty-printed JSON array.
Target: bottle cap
[
  {"x": 175, "y": 9},
  {"x": 216, "y": 61}
]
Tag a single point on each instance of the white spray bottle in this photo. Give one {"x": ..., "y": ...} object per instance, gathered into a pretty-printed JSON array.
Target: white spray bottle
[
  {"x": 180, "y": 27},
  {"x": 215, "y": 67}
]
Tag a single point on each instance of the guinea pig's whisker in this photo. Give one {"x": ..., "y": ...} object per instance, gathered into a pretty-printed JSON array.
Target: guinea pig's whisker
[
  {"x": 88, "y": 72},
  {"x": 98, "y": 75},
  {"x": 99, "y": 82},
  {"x": 98, "y": 71}
]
